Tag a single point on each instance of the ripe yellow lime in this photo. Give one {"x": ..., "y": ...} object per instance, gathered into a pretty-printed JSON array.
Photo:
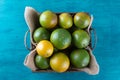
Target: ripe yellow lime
[
  {"x": 44, "y": 48},
  {"x": 59, "y": 62}
]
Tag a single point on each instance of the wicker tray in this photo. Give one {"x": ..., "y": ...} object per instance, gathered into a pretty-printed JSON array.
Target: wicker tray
[{"x": 32, "y": 20}]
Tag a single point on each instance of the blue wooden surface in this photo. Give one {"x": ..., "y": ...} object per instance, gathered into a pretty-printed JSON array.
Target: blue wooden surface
[{"x": 13, "y": 27}]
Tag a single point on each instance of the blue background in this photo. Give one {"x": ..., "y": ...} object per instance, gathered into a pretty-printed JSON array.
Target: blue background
[{"x": 13, "y": 27}]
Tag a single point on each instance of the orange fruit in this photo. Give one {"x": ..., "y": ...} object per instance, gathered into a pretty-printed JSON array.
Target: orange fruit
[
  {"x": 59, "y": 62},
  {"x": 44, "y": 48}
]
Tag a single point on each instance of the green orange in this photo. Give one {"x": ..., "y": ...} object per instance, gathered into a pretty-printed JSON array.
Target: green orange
[
  {"x": 41, "y": 62},
  {"x": 48, "y": 19},
  {"x": 82, "y": 20},
  {"x": 81, "y": 38},
  {"x": 41, "y": 34},
  {"x": 80, "y": 58},
  {"x": 65, "y": 20},
  {"x": 61, "y": 38}
]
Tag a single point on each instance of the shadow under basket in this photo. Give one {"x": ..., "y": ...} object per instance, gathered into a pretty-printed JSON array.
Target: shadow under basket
[{"x": 32, "y": 20}]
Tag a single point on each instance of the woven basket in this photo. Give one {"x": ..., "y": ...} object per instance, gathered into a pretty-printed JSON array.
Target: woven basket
[{"x": 32, "y": 20}]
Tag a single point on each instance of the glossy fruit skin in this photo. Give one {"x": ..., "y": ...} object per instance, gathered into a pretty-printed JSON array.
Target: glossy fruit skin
[
  {"x": 82, "y": 20},
  {"x": 80, "y": 58},
  {"x": 44, "y": 48},
  {"x": 59, "y": 62},
  {"x": 48, "y": 19},
  {"x": 65, "y": 20},
  {"x": 61, "y": 38},
  {"x": 41, "y": 62},
  {"x": 41, "y": 34},
  {"x": 81, "y": 38}
]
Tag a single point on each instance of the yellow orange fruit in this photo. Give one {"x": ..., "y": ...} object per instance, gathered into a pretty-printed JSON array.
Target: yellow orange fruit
[
  {"x": 44, "y": 48},
  {"x": 59, "y": 62}
]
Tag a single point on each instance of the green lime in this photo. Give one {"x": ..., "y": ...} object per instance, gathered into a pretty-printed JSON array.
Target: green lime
[
  {"x": 82, "y": 20},
  {"x": 65, "y": 20},
  {"x": 61, "y": 38},
  {"x": 80, "y": 38},
  {"x": 41, "y": 34},
  {"x": 41, "y": 62},
  {"x": 80, "y": 58},
  {"x": 48, "y": 19}
]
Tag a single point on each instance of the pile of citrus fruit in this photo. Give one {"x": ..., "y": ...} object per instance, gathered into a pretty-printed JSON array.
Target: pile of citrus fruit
[{"x": 61, "y": 41}]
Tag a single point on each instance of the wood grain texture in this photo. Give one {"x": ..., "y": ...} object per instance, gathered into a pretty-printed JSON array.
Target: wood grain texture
[{"x": 12, "y": 28}]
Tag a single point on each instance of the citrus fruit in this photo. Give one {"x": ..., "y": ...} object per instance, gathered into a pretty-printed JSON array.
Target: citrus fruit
[
  {"x": 41, "y": 62},
  {"x": 48, "y": 19},
  {"x": 65, "y": 20},
  {"x": 44, "y": 48},
  {"x": 60, "y": 38},
  {"x": 59, "y": 62},
  {"x": 80, "y": 38},
  {"x": 82, "y": 20},
  {"x": 80, "y": 58},
  {"x": 40, "y": 34}
]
